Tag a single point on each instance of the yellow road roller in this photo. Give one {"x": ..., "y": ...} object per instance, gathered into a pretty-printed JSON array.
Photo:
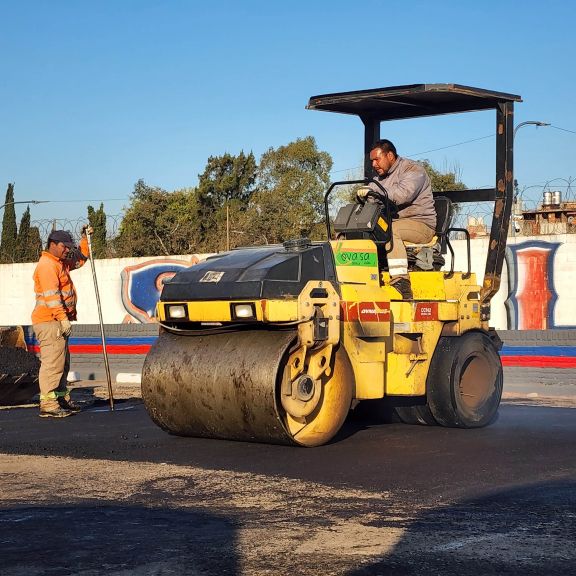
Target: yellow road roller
[{"x": 276, "y": 343}]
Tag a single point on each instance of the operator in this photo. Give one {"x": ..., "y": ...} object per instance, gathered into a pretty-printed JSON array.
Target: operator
[
  {"x": 409, "y": 187},
  {"x": 52, "y": 316}
]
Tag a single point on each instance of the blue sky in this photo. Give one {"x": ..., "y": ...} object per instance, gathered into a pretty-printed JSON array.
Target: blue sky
[{"x": 96, "y": 95}]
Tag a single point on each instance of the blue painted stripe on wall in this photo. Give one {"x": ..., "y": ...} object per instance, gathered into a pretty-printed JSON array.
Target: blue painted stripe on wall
[
  {"x": 112, "y": 341},
  {"x": 538, "y": 351}
]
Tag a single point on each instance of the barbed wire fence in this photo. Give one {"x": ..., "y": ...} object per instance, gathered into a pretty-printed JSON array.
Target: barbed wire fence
[
  {"x": 74, "y": 226},
  {"x": 530, "y": 201},
  {"x": 475, "y": 216}
]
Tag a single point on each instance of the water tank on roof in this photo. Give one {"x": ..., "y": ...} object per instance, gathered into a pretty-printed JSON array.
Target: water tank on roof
[
  {"x": 547, "y": 199},
  {"x": 557, "y": 197}
]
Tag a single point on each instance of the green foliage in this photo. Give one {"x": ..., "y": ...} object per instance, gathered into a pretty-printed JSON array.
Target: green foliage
[
  {"x": 158, "y": 222},
  {"x": 442, "y": 181},
  {"x": 227, "y": 178},
  {"x": 224, "y": 188},
  {"x": 288, "y": 202},
  {"x": 236, "y": 203},
  {"x": 97, "y": 219},
  {"x": 34, "y": 243},
  {"x": 8, "y": 241},
  {"x": 28, "y": 243}
]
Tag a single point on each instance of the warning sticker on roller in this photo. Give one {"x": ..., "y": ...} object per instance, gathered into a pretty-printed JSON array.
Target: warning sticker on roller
[
  {"x": 212, "y": 276},
  {"x": 425, "y": 311}
]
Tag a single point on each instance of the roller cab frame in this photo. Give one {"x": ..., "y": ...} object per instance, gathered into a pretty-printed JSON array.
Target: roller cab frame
[
  {"x": 420, "y": 100},
  {"x": 276, "y": 343}
]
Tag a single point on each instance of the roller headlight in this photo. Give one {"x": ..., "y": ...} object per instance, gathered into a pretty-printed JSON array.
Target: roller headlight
[
  {"x": 176, "y": 312},
  {"x": 243, "y": 311}
]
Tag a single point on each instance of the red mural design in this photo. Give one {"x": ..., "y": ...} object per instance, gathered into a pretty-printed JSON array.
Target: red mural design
[{"x": 534, "y": 295}]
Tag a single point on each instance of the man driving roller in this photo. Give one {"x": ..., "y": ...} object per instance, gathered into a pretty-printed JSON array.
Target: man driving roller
[{"x": 409, "y": 187}]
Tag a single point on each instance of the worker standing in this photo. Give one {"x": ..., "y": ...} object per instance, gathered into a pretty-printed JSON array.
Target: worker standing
[
  {"x": 52, "y": 316},
  {"x": 409, "y": 187}
]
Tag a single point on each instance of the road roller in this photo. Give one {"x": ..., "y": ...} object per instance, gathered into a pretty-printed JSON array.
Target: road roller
[{"x": 277, "y": 343}]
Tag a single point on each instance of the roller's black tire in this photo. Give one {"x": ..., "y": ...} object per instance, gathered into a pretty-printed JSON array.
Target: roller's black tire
[
  {"x": 416, "y": 415},
  {"x": 375, "y": 411},
  {"x": 464, "y": 384}
]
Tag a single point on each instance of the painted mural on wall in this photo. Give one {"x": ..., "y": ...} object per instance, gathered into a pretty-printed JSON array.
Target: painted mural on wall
[
  {"x": 142, "y": 285},
  {"x": 532, "y": 295}
]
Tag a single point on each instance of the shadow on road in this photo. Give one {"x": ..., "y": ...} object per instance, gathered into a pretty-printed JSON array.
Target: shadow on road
[
  {"x": 113, "y": 539},
  {"x": 529, "y": 530}
]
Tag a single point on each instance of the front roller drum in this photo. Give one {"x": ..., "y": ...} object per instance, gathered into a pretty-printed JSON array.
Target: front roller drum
[{"x": 229, "y": 386}]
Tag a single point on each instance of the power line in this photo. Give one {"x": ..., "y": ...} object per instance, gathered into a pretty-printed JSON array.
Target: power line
[
  {"x": 563, "y": 129},
  {"x": 86, "y": 200},
  {"x": 427, "y": 151},
  {"x": 452, "y": 145}
]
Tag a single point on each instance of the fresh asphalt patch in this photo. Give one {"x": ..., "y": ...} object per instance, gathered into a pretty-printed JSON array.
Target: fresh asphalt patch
[{"x": 120, "y": 496}]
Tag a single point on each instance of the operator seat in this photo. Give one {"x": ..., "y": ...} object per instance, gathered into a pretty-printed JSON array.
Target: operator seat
[
  {"x": 444, "y": 214},
  {"x": 430, "y": 256}
]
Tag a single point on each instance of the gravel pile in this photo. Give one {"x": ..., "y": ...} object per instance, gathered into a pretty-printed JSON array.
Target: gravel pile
[{"x": 18, "y": 361}]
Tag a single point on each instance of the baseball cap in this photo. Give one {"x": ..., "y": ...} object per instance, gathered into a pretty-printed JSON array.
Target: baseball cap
[{"x": 62, "y": 236}]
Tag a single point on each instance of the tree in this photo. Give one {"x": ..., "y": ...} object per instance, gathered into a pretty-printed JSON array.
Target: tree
[
  {"x": 443, "y": 181},
  {"x": 225, "y": 187},
  {"x": 34, "y": 243},
  {"x": 158, "y": 222},
  {"x": 227, "y": 178},
  {"x": 8, "y": 241},
  {"x": 28, "y": 242},
  {"x": 290, "y": 187},
  {"x": 97, "y": 219}
]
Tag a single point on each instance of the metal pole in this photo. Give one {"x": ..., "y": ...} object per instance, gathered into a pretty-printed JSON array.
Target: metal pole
[
  {"x": 227, "y": 228},
  {"x": 104, "y": 351}
]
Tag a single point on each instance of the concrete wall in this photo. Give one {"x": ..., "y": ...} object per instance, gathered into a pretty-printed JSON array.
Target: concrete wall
[
  {"x": 536, "y": 290},
  {"x": 127, "y": 286}
]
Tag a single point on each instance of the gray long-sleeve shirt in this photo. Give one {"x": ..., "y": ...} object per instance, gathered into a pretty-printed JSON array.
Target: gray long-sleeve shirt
[{"x": 409, "y": 187}]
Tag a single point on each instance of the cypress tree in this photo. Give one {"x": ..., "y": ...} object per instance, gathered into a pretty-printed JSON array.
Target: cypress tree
[
  {"x": 34, "y": 244},
  {"x": 8, "y": 241},
  {"x": 29, "y": 243},
  {"x": 97, "y": 219},
  {"x": 22, "y": 240}
]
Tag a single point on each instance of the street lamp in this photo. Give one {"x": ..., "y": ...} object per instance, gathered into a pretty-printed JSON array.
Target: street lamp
[
  {"x": 516, "y": 206},
  {"x": 532, "y": 122}
]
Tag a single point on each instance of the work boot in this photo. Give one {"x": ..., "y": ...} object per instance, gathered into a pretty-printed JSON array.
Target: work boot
[
  {"x": 52, "y": 409},
  {"x": 402, "y": 285},
  {"x": 68, "y": 404}
]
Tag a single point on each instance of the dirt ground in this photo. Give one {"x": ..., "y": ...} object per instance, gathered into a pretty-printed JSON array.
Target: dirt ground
[{"x": 90, "y": 516}]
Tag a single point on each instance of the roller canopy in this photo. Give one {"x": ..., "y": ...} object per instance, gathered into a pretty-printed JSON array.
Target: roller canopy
[{"x": 410, "y": 101}]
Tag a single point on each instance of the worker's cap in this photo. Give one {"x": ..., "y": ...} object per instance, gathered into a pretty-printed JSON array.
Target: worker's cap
[{"x": 62, "y": 236}]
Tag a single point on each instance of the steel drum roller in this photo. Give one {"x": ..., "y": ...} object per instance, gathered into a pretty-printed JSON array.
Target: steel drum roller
[{"x": 227, "y": 386}]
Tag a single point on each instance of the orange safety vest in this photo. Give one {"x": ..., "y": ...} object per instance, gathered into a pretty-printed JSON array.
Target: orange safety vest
[{"x": 55, "y": 294}]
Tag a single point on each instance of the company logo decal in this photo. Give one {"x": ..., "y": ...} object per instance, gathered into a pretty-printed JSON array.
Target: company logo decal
[
  {"x": 350, "y": 258},
  {"x": 365, "y": 311}
]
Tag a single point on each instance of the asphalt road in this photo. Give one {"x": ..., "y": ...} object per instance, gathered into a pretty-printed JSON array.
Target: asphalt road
[{"x": 109, "y": 493}]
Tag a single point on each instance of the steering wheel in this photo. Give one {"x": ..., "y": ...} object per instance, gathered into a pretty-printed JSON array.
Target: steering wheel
[{"x": 388, "y": 205}]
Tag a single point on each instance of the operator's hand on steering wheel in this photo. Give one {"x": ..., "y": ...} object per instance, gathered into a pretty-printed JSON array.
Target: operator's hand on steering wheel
[{"x": 362, "y": 194}]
